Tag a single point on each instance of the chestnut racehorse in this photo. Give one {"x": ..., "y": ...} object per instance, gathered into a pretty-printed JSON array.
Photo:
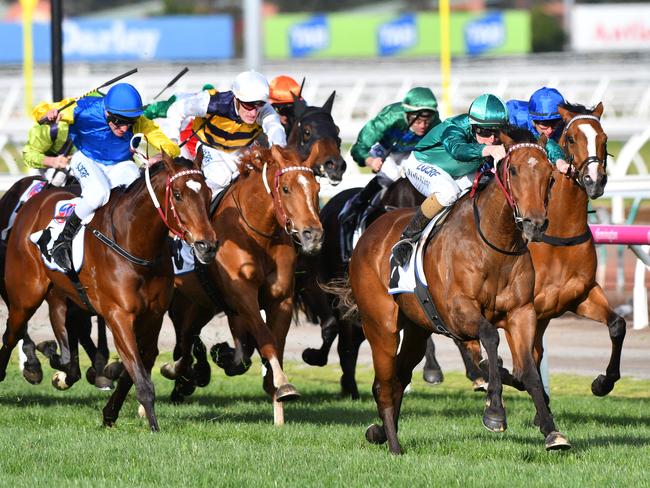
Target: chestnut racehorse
[
  {"x": 481, "y": 278},
  {"x": 273, "y": 203},
  {"x": 128, "y": 281}
]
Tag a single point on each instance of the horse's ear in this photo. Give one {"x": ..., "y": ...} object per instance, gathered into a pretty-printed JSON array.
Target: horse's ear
[
  {"x": 327, "y": 106},
  {"x": 168, "y": 162},
  {"x": 278, "y": 153},
  {"x": 543, "y": 139},
  {"x": 198, "y": 159},
  {"x": 302, "y": 85},
  {"x": 598, "y": 111},
  {"x": 566, "y": 114},
  {"x": 505, "y": 139},
  {"x": 299, "y": 106}
]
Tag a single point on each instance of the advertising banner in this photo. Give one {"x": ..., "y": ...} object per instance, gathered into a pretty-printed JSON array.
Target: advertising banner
[
  {"x": 161, "y": 38},
  {"x": 615, "y": 27},
  {"x": 361, "y": 35}
]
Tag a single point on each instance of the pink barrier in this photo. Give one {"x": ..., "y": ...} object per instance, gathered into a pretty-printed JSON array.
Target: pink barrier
[{"x": 621, "y": 234}]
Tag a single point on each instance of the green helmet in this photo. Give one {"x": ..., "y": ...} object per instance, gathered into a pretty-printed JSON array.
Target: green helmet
[
  {"x": 488, "y": 111},
  {"x": 419, "y": 98}
]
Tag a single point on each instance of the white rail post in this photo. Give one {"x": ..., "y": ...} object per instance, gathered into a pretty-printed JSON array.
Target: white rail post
[{"x": 640, "y": 295}]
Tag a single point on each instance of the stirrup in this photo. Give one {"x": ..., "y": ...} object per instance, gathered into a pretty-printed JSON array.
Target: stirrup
[{"x": 401, "y": 253}]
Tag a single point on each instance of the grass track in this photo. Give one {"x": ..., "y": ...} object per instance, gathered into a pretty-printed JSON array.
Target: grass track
[{"x": 224, "y": 436}]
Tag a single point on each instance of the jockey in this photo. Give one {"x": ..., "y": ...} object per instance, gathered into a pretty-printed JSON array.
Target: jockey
[
  {"x": 227, "y": 122},
  {"x": 385, "y": 142},
  {"x": 540, "y": 116},
  {"x": 282, "y": 90},
  {"x": 48, "y": 146},
  {"x": 441, "y": 165},
  {"x": 101, "y": 128}
]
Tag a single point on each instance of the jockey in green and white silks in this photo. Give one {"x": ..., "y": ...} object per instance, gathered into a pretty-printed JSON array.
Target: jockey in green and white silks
[
  {"x": 386, "y": 141},
  {"x": 443, "y": 163}
]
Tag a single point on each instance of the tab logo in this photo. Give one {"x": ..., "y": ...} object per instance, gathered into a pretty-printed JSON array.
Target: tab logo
[
  {"x": 397, "y": 35},
  {"x": 485, "y": 33},
  {"x": 309, "y": 36}
]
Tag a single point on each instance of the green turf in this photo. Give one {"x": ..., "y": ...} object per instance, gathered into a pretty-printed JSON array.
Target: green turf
[{"x": 224, "y": 436}]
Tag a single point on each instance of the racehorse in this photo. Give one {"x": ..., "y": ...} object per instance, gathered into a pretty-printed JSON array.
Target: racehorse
[
  {"x": 480, "y": 277},
  {"x": 32, "y": 372},
  {"x": 565, "y": 261},
  {"x": 257, "y": 223},
  {"x": 128, "y": 281}
]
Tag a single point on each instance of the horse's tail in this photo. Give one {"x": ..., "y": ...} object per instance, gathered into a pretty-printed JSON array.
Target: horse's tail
[{"x": 345, "y": 303}]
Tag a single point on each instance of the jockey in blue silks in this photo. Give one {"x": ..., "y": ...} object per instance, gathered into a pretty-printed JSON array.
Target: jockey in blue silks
[{"x": 540, "y": 116}]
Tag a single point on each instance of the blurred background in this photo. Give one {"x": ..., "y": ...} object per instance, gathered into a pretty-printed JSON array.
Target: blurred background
[{"x": 371, "y": 52}]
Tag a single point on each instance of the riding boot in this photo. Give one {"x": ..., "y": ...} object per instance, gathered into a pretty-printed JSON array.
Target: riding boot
[
  {"x": 62, "y": 247},
  {"x": 403, "y": 249},
  {"x": 349, "y": 214}
]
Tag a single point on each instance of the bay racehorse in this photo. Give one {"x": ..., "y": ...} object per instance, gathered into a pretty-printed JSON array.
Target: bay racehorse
[
  {"x": 480, "y": 277},
  {"x": 10, "y": 203},
  {"x": 272, "y": 204},
  {"x": 128, "y": 281}
]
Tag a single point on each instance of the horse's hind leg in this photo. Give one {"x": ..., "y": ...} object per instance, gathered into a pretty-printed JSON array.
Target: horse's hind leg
[
  {"x": 432, "y": 372},
  {"x": 494, "y": 416},
  {"x": 470, "y": 353},
  {"x": 32, "y": 370},
  {"x": 596, "y": 307},
  {"x": 329, "y": 331},
  {"x": 350, "y": 339},
  {"x": 66, "y": 334}
]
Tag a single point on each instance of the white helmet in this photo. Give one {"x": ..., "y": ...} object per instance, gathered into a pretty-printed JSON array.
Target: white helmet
[{"x": 250, "y": 86}]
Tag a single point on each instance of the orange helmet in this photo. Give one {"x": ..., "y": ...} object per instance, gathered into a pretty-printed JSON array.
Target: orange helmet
[{"x": 281, "y": 89}]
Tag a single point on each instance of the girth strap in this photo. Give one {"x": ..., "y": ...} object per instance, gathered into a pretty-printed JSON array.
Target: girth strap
[{"x": 121, "y": 251}]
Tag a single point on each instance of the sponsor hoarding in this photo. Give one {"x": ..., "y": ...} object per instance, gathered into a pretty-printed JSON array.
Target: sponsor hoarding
[{"x": 615, "y": 27}]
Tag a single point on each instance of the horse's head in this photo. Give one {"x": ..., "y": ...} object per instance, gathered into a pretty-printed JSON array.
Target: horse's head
[
  {"x": 315, "y": 127},
  {"x": 295, "y": 197},
  {"x": 585, "y": 145},
  {"x": 525, "y": 173},
  {"x": 186, "y": 202}
]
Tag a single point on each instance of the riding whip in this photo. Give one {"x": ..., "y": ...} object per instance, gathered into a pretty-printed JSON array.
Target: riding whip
[
  {"x": 43, "y": 119},
  {"x": 171, "y": 83}
]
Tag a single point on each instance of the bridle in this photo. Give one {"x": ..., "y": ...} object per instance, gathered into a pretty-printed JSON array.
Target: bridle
[
  {"x": 578, "y": 175},
  {"x": 300, "y": 143}
]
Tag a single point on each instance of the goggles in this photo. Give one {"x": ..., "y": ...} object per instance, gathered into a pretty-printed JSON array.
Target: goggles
[
  {"x": 120, "y": 120},
  {"x": 252, "y": 105},
  {"x": 548, "y": 123},
  {"x": 487, "y": 131}
]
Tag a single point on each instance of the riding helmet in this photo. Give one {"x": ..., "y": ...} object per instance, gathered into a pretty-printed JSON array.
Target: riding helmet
[
  {"x": 282, "y": 89},
  {"x": 123, "y": 99},
  {"x": 488, "y": 110},
  {"x": 543, "y": 104},
  {"x": 251, "y": 86},
  {"x": 419, "y": 99}
]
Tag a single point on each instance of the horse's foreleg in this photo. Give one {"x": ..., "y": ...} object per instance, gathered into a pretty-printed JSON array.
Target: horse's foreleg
[
  {"x": 32, "y": 370},
  {"x": 596, "y": 307},
  {"x": 520, "y": 333},
  {"x": 470, "y": 353},
  {"x": 329, "y": 331},
  {"x": 16, "y": 328},
  {"x": 350, "y": 339},
  {"x": 64, "y": 324},
  {"x": 432, "y": 373},
  {"x": 494, "y": 415}
]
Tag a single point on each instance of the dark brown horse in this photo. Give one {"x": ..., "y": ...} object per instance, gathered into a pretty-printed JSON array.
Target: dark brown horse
[
  {"x": 480, "y": 277},
  {"x": 273, "y": 203},
  {"x": 129, "y": 283},
  {"x": 78, "y": 324}
]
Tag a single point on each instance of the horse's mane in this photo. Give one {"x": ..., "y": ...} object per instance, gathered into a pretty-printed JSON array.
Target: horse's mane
[
  {"x": 253, "y": 159},
  {"x": 518, "y": 134},
  {"x": 157, "y": 168},
  {"x": 576, "y": 108}
]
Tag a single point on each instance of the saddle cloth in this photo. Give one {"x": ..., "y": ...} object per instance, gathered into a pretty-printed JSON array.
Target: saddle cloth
[
  {"x": 182, "y": 256},
  {"x": 44, "y": 239},
  {"x": 33, "y": 189}
]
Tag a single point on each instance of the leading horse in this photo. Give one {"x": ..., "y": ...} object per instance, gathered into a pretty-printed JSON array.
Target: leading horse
[
  {"x": 257, "y": 223},
  {"x": 480, "y": 277},
  {"x": 129, "y": 281}
]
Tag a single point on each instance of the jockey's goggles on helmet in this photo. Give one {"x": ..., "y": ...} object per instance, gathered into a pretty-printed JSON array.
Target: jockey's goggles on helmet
[
  {"x": 421, "y": 114},
  {"x": 548, "y": 123},
  {"x": 119, "y": 120},
  {"x": 487, "y": 131},
  {"x": 252, "y": 105}
]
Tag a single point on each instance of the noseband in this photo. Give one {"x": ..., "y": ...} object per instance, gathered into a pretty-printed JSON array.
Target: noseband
[
  {"x": 578, "y": 175},
  {"x": 280, "y": 213}
]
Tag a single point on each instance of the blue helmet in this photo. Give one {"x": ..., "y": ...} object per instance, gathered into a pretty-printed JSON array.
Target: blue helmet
[
  {"x": 123, "y": 99},
  {"x": 543, "y": 104}
]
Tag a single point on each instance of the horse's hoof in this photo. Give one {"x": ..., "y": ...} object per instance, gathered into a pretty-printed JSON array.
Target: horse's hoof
[
  {"x": 91, "y": 375},
  {"x": 376, "y": 434},
  {"x": 33, "y": 376},
  {"x": 602, "y": 385},
  {"x": 494, "y": 423},
  {"x": 314, "y": 357},
  {"x": 106, "y": 422},
  {"x": 103, "y": 383},
  {"x": 47, "y": 348},
  {"x": 185, "y": 386},
  {"x": 349, "y": 389},
  {"x": 556, "y": 441},
  {"x": 58, "y": 381},
  {"x": 286, "y": 392},
  {"x": 168, "y": 371},
  {"x": 202, "y": 374},
  {"x": 479, "y": 384},
  {"x": 113, "y": 370},
  {"x": 176, "y": 397},
  {"x": 433, "y": 376}
]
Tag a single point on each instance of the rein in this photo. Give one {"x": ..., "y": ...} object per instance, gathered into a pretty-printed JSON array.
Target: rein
[{"x": 280, "y": 213}]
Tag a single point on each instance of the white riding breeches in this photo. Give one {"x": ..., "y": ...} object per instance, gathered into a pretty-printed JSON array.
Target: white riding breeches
[
  {"x": 219, "y": 168},
  {"x": 392, "y": 166},
  {"x": 430, "y": 179},
  {"x": 97, "y": 180}
]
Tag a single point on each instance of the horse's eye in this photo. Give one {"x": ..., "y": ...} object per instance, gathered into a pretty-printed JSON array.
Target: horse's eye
[
  {"x": 285, "y": 188},
  {"x": 512, "y": 170},
  {"x": 571, "y": 140},
  {"x": 177, "y": 195}
]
